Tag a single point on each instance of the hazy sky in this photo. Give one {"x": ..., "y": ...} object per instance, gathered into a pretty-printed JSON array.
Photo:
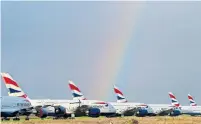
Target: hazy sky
[{"x": 146, "y": 49}]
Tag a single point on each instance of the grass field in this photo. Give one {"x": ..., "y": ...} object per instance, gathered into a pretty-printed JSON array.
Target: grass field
[{"x": 117, "y": 120}]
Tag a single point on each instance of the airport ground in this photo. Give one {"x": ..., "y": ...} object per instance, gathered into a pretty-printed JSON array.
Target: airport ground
[{"x": 117, "y": 120}]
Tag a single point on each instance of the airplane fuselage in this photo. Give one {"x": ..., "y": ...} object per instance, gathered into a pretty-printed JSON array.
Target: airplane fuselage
[
  {"x": 11, "y": 106},
  {"x": 191, "y": 110}
]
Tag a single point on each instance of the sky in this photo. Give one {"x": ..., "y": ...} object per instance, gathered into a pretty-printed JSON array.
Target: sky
[{"x": 147, "y": 49}]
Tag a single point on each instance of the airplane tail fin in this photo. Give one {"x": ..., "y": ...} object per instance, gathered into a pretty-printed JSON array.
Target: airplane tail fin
[
  {"x": 120, "y": 96},
  {"x": 12, "y": 86},
  {"x": 192, "y": 101},
  {"x": 76, "y": 92},
  {"x": 174, "y": 101}
]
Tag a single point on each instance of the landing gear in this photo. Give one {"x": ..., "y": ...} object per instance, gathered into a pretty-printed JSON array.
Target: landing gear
[
  {"x": 16, "y": 119},
  {"x": 65, "y": 116},
  {"x": 5, "y": 118},
  {"x": 55, "y": 118},
  {"x": 27, "y": 118},
  {"x": 72, "y": 116}
]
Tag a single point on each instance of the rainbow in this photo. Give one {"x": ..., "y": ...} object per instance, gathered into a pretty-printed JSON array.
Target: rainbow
[{"x": 111, "y": 58}]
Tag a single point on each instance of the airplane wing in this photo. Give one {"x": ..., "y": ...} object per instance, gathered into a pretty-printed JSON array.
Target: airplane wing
[
  {"x": 164, "y": 111},
  {"x": 129, "y": 111}
]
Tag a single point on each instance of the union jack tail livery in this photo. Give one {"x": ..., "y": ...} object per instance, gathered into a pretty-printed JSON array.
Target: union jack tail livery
[
  {"x": 77, "y": 94},
  {"x": 13, "y": 87},
  {"x": 174, "y": 101},
  {"x": 120, "y": 96},
  {"x": 192, "y": 102}
]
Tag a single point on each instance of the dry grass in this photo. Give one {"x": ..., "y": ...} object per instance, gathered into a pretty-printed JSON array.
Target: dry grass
[{"x": 118, "y": 120}]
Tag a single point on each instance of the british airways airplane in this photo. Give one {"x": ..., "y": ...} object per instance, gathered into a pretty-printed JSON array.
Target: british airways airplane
[
  {"x": 49, "y": 107},
  {"x": 14, "y": 107},
  {"x": 106, "y": 108},
  {"x": 129, "y": 108},
  {"x": 148, "y": 109},
  {"x": 189, "y": 110},
  {"x": 122, "y": 108}
]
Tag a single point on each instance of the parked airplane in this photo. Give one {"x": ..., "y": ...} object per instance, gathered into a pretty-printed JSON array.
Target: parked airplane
[
  {"x": 48, "y": 107},
  {"x": 14, "y": 107},
  {"x": 189, "y": 110},
  {"x": 128, "y": 108},
  {"x": 120, "y": 107},
  {"x": 106, "y": 108},
  {"x": 149, "y": 109},
  {"x": 192, "y": 101}
]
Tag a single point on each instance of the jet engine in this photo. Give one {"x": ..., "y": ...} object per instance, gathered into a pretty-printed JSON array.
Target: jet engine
[
  {"x": 42, "y": 113},
  {"x": 60, "y": 111},
  {"x": 175, "y": 112},
  {"x": 94, "y": 112},
  {"x": 142, "y": 112}
]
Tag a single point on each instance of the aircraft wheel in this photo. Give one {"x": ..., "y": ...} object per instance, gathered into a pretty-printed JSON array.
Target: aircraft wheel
[
  {"x": 55, "y": 118},
  {"x": 5, "y": 118},
  {"x": 65, "y": 117},
  {"x": 27, "y": 118},
  {"x": 16, "y": 119}
]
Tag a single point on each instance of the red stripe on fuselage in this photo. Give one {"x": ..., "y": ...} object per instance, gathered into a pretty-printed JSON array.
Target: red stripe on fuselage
[{"x": 100, "y": 103}]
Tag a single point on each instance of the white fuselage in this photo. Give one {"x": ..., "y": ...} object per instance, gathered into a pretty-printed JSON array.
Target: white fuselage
[
  {"x": 191, "y": 110},
  {"x": 11, "y": 104},
  {"x": 104, "y": 107},
  {"x": 72, "y": 105},
  {"x": 44, "y": 102}
]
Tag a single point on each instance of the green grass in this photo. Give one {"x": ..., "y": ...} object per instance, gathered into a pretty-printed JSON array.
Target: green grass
[{"x": 116, "y": 120}]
